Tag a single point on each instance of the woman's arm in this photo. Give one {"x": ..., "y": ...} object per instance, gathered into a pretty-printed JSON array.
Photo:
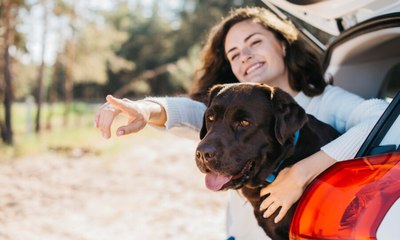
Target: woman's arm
[
  {"x": 184, "y": 116},
  {"x": 164, "y": 113},
  {"x": 291, "y": 183},
  {"x": 181, "y": 112},
  {"x": 346, "y": 112},
  {"x": 357, "y": 127}
]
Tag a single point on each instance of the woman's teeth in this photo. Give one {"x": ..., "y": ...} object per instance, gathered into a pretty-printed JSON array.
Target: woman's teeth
[{"x": 253, "y": 67}]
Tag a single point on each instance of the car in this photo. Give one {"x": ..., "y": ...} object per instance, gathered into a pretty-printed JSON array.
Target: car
[{"x": 359, "y": 44}]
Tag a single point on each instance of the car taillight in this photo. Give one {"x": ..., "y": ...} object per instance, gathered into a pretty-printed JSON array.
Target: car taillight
[{"x": 349, "y": 200}]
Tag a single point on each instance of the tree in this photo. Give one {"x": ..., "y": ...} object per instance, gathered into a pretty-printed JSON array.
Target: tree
[
  {"x": 149, "y": 47},
  {"x": 156, "y": 42},
  {"x": 52, "y": 92},
  {"x": 8, "y": 19},
  {"x": 39, "y": 94},
  {"x": 62, "y": 8}
]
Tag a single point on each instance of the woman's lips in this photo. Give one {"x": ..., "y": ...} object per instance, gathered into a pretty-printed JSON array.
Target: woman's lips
[{"x": 253, "y": 67}]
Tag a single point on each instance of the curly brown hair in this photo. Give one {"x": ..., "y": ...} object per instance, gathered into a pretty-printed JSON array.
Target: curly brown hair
[{"x": 304, "y": 68}]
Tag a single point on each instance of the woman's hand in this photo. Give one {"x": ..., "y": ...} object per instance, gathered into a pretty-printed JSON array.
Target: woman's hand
[
  {"x": 291, "y": 182},
  {"x": 139, "y": 114}
]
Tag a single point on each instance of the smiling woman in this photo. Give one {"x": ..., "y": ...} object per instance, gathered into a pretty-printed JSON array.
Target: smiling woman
[{"x": 252, "y": 50}]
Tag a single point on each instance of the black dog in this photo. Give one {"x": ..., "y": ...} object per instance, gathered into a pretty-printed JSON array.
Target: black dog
[{"x": 251, "y": 132}]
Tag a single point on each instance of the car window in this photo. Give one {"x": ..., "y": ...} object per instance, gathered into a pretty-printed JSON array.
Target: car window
[
  {"x": 391, "y": 84},
  {"x": 385, "y": 136}
]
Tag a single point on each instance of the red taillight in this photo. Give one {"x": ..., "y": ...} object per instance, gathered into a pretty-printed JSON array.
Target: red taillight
[{"x": 349, "y": 200}]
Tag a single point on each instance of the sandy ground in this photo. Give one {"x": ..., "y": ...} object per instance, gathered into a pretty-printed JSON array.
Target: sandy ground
[{"x": 152, "y": 190}]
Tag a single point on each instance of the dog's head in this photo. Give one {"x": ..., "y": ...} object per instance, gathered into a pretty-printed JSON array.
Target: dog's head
[{"x": 246, "y": 127}]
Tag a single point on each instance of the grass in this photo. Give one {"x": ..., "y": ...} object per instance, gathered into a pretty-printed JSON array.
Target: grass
[{"x": 79, "y": 132}]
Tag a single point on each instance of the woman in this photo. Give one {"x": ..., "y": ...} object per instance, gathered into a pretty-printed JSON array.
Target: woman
[{"x": 253, "y": 45}]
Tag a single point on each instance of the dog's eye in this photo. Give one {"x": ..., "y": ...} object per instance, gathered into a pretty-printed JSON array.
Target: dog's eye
[
  {"x": 244, "y": 123},
  {"x": 211, "y": 117}
]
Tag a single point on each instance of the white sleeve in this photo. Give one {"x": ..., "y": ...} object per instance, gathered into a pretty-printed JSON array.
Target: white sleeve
[
  {"x": 355, "y": 117},
  {"x": 346, "y": 146},
  {"x": 184, "y": 115}
]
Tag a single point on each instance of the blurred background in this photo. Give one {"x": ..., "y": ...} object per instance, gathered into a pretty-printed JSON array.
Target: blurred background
[
  {"x": 59, "y": 179},
  {"x": 60, "y": 58}
]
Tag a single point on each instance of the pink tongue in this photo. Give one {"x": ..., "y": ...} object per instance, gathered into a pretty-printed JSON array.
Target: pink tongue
[{"x": 215, "y": 182}]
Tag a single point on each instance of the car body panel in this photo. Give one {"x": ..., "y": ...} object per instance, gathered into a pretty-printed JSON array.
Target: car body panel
[
  {"x": 334, "y": 16},
  {"x": 388, "y": 230},
  {"x": 349, "y": 200}
]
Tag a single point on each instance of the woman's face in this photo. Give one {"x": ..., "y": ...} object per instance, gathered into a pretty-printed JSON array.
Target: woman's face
[{"x": 255, "y": 55}]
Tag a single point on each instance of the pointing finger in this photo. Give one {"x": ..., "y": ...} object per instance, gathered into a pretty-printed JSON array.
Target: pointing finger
[{"x": 119, "y": 103}]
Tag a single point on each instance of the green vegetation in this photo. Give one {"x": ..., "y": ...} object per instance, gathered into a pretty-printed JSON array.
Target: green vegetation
[
  {"x": 129, "y": 48},
  {"x": 79, "y": 133}
]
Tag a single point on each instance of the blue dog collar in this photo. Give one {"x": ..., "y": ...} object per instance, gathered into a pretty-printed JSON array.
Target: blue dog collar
[{"x": 273, "y": 175}]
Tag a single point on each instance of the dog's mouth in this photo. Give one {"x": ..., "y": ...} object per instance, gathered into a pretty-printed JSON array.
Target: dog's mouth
[{"x": 217, "y": 182}]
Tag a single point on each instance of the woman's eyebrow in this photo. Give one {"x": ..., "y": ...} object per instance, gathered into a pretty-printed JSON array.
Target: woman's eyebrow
[{"x": 245, "y": 40}]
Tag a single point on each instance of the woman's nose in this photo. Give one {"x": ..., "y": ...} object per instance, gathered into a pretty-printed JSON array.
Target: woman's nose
[{"x": 246, "y": 54}]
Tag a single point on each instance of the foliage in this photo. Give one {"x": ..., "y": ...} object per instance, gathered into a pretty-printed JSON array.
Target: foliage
[
  {"x": 28, "y": 143},
  {"x": 141, "y": 49},
  {"x": 154, "y": 41}
]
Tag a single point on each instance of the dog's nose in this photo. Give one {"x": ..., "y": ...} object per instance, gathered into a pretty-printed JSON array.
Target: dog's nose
[{"x": 206, "y": 153}]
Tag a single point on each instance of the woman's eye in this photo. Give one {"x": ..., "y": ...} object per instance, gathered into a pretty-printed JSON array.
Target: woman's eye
[
  {"x": 234, "y": 57},
  {"x": 254, "y": 43}
]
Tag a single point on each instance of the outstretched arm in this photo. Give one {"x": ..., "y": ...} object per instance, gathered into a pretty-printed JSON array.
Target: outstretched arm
[
  {"x": 140, "y": 113},
  {"x": 181, "y": 116}
]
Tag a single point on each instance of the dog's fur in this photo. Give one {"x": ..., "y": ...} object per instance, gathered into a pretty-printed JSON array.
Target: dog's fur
[{"x": 248, "y": 129}]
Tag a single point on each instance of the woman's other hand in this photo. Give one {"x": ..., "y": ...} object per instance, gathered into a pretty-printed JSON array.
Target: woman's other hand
[
  {"x": 139, "y": 113},
  {"x": 291, "y": 182}
]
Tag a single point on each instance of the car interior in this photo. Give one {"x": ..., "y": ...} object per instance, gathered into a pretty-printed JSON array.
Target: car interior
[{"x": 366, "y": 60}]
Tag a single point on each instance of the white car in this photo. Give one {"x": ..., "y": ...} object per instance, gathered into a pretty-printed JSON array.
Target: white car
[{"x": 359, "y": 41}]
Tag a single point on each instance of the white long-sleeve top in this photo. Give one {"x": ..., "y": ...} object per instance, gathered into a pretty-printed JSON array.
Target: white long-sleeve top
[{"x": 346, "y": 112}]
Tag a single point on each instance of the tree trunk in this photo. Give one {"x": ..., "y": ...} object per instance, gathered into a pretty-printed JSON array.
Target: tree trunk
[
  {"x": 6, "y": 128},
  {"x": 53, "y": 92},
  {"x": 39, "y": 95},
  {"x": 69, "y": 81}
]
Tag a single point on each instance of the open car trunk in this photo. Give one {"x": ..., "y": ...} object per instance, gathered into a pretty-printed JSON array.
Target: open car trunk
[{"x": 362, "y": 54}]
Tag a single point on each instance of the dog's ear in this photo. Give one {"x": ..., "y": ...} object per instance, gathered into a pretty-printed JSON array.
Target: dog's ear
[
  {"x": 289, "y": 116},
  {"x": 212, "y": 93}
]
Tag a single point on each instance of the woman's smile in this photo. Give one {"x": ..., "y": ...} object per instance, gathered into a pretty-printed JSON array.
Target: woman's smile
[{"x": 253, "y": 67}]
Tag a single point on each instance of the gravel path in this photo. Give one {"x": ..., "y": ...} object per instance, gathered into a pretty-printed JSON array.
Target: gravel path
[{"x": 153, "y": 190}]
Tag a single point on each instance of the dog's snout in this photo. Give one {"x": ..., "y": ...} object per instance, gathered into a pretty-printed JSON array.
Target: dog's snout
[{"x": 206, "y": 153}]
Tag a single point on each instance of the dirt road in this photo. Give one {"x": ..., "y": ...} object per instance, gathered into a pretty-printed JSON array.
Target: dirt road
[{"x": 151, "y": 190}]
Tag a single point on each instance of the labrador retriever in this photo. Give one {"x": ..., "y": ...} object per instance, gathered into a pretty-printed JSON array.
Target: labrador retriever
[{"x": 250, "y": 132}]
